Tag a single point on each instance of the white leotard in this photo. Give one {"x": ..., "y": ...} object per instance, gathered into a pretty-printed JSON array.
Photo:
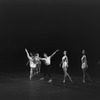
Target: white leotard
[
  {"x": 84, "y": 62},
  {"x": 32, "y": 64},
  {"x": 64, "y": 63}
]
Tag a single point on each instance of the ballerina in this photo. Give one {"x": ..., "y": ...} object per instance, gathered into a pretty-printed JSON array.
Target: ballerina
[
  {"x": 32, "y": 63},
  {"x": 84, "y": 66},
  {"x": 64, "y": 63}
]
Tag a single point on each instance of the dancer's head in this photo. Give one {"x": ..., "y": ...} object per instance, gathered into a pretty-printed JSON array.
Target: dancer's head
[
  {"x": 37, "y": 54},
  {"x": 65, "y": 52},
  {"x": 83, "y": 52},
  {"x": 31, "y": 55},
  {"x": 45, "y": 55}
]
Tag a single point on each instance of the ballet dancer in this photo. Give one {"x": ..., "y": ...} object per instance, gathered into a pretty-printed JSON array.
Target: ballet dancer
[
  {"x": 32, "y": 63},
  {"x": 38, "y": 63},
  {"x": 64, "y": 63},
  {"x": 84, "y": 66},
  {"x": 47, "y": 60}
]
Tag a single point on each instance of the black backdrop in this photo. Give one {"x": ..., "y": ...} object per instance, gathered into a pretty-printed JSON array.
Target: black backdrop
[{"x": 46, "y": 25}]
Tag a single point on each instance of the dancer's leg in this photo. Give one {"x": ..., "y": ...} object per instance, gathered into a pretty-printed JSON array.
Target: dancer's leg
[
  {"x": 88, "y": 76},
  {"x": 45, "y": 72},
  {"x": 31, "y": 73},
  {"x": 49, "y": 74},
  {"x": 69, "y": 77},
  {"x": 84, "y": 70},
  {"x": 36, "y": 69},
  {"x": 64, "y": 70},
  {"x": 39, "y": 67},
  {"x": 66, "y": 74}
]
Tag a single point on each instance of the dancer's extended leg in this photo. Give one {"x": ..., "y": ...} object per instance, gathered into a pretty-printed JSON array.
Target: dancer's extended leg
[{"x": 69, "y": 77}]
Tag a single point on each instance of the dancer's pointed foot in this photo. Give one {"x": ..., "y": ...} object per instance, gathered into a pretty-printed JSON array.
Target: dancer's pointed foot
[
  {"x": 83, "y": 81},
  {"x": 42, "y": 78},
  {"x": 63, "y": 81},
  {"x": 50, "y": 81}
]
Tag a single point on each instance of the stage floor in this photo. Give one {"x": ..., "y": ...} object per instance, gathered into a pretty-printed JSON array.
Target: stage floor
[{"x": 17, "y": 86}]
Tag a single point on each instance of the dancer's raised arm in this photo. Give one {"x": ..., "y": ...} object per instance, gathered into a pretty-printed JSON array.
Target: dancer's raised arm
[
  {"x": 27, "y": 53},
  {"x": 54, "y": 53}
]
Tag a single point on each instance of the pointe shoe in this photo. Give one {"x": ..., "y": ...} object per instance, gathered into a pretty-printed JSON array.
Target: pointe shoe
[
  {"x": 83, "y": 81},
  {"x": 63, "y": 81},
  {"x": 42, "y": 78},
  {"x": 50, "y": 81}
]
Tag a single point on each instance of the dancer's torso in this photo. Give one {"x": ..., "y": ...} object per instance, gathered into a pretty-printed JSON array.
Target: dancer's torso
[
  {"x": 47, "y": 60},
  {"x": 84, "y": 62},
  {"x": 65, "y": 62},
  {"x": 32, "y": 64}
]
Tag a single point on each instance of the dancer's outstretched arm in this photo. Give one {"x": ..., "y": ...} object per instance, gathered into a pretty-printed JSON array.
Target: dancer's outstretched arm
[
  {"x": 41, "y": 58},
  {"x": 54, "y": 53},
  {"x": 27, "y": 53}
]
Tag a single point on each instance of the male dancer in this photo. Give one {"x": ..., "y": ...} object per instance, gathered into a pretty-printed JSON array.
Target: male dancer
[
  {"x": 65, "y": 66},
  {"x": 47, "y": 60},
  {"x": 84, "y": 66},
  {"x": 32, "y": 63}
]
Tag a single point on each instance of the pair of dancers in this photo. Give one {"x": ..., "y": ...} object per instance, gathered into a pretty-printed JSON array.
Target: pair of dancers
[
  {"x": 35, "y": 61},
  {"x": 84, "y": 67}
]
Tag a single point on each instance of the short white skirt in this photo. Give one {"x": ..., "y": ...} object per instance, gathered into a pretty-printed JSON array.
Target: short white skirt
[
  {"x": 84, "y": 65},
  {"x": 32, "y": 65},
  {"x": 65, "y": 64}
]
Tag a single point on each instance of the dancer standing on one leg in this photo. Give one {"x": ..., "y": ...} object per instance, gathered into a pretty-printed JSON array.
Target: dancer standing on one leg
[
  {"x": 65, "y": 66},
  {"x": 84, "y": 66},
  {"x": 47, "y": 60},
  {"x": 32, "y": 63}
]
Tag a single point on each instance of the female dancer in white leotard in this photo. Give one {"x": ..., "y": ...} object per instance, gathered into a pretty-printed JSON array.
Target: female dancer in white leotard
[
  {"x": 65, "y": 66},
  {"x": 84, "y": 66},
  {"x": 31, "y": 63}
]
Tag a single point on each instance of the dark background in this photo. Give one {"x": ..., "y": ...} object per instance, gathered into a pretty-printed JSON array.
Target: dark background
[{"x": 46, "y": 25}]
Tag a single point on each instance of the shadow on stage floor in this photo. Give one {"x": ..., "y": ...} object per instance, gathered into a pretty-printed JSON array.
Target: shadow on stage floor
[{"x": 17, "y": 86}]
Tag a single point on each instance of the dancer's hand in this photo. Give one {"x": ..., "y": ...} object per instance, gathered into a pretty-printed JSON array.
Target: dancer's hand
[
  {"x": 57, "y": 50},
  {"x": 25, "y": 49}
]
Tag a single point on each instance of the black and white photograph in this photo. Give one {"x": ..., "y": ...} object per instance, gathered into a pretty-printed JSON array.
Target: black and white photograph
[{"x": 49, "y": 50}]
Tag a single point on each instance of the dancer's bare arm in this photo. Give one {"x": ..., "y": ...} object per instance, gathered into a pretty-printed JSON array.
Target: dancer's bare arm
[
  {"x": 41, "y": 58},
  {"x": 27, "y": 53},
  {"x": 54, "y": 53}
]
